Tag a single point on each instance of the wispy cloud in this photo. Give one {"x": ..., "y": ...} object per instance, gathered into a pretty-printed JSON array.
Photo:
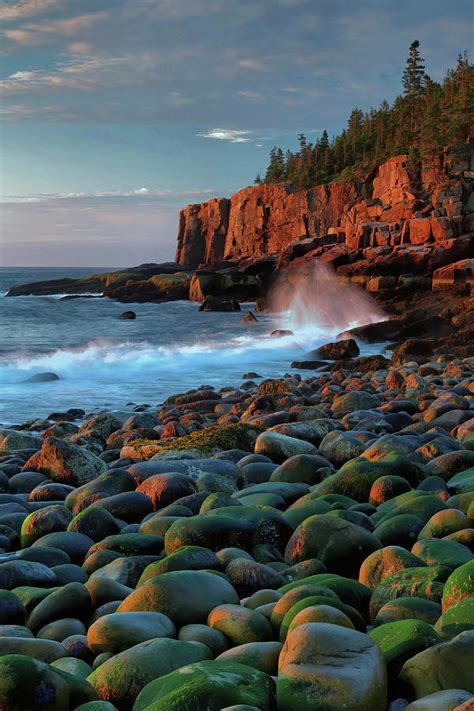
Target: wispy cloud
[
  {"x": 249, "y": 94},
  {"x": 34, "y": 33},
  {"x": 104, "y": 194},
  {"x": 74, "y": 72},
  {"x": 228, "y": 134},
  {"x": 251, "y": 64},
  {"x": 26, "y": 8}
]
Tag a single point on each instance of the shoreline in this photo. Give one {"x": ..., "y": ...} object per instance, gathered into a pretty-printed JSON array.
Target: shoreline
[{"x": 300, "y": 512}]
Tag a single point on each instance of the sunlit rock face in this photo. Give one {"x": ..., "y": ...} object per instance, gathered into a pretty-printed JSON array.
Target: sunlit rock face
[{"x": 391, "y": 208}]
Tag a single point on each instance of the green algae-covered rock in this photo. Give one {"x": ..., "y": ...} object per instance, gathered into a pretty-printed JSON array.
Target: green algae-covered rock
[
  {"x": 357, "y": 476},
  {"x": 382, "y": 563},
  {"x": 356, "y": 621},
  {"x": 29, "y": 684},
  {"x": 300, "y": 468},
  {"x": 248, "y": 576},
  {"x": 184, "y": 596},
  {"x": 339, "y": 544},
  {"x": 398, "y": 641},
  {"x": 46, "y": 520},
  {"x": 443, "y": 523},
  {"x": 72, "y": 600},
  {"x": 130, "y": 544},
  {"x": 386, "y": 487},
  {"x": 297, "y": 513},
  {"x": 416, "y": 503},
  {"x": 209, "y": 686},
  {"x": 408, "y": 608},
  {"x": 240, "y": 624},
  {"x": 121, "y": 678},
  {"x": 445, "y": 666},
  {"x": 95, "y": 522},
  {"x": 119, "y": 631},
  {"x": 456, "y": 619},
  {"x": 435, "y": 551},
  {"x": 459, "y": 585},
  {"x": 409, "y": 582},
  {"x": 349, "y": 591},
  {"x": 293, "y": 595},
  {"x": 328, "y": 614},
  {"x": 12, "y": 611},
  {"x": 399, "y": 530},
  {"x": 210, "y": 532},
  {"x": 258, "y": 655},
  {"x": 325, "y": 667},
  {"x": 186, "y": 558},
  {"x": 238, "y": 526}
]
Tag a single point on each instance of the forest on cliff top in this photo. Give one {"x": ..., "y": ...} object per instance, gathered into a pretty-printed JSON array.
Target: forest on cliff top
[{"x": 429, "y": 121}]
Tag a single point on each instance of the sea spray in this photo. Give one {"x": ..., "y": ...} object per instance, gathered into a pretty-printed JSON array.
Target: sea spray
[{"x": 313, "y": 303}]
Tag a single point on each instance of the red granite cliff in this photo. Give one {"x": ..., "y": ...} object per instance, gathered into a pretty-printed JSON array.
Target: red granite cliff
[{"x": 394, "y": 208}]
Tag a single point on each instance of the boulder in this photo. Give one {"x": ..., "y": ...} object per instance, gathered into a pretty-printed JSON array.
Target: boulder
[
  {"x": 66, "y": 463},
  {"x": 324, "y": 666}
]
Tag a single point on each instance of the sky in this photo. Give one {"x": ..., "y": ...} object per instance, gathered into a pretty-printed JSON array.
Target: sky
[{"x": 114, "y": 114}]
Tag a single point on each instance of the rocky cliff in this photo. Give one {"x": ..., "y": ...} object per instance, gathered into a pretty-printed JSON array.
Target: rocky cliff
[{"x": 393, "y": 209}]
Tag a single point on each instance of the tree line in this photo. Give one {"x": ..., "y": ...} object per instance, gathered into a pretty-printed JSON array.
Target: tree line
[{"x": 428, "y": 121}]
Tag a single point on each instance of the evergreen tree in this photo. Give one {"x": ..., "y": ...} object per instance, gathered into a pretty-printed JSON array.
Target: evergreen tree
[
  {"x": 429, "y": 122},
  {"x": 414, "y": 73}
]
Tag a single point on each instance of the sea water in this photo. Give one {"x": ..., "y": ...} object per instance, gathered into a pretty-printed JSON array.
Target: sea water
[{"x": 105, "y": 362}]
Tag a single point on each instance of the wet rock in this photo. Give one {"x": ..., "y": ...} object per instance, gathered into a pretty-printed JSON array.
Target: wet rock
[
  {"x": 66, "y": 463},
  {"x": 42, "y": 378},
  {"x": 346, "y": 348}
]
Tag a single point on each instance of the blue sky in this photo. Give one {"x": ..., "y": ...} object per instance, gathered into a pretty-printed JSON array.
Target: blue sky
[{"x": 114, "y": 114}]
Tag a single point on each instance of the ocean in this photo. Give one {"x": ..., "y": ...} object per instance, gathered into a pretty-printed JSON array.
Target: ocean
[{"x": 105, "y": 362}]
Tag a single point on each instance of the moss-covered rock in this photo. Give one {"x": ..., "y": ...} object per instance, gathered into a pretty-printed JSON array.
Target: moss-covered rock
[
  {"x": 121, "y": 678},
  {"x": 434, "y": 551},
  {"x": 210, "y": 440},
  {"x": 120, "y": 631},
  {"x": 381, "y": 563},
  {"x": 459, "y": 585},
  {"x": 240, "y": 624},
  {"x": 408, "y": 608},
  {"x": 457, "y": 618},
  {"x": 258, "y": 655},
  {"x": 425, "y": 582},
  {"x": 185, "y": 597},
  {"x": 209, "y": 686},
  {"x": 46, "y": 520},
  {"x": 340, "y": 545},
  {"x": 27, "y": 683}
]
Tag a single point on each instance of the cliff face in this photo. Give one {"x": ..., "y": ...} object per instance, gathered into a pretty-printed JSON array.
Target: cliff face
[{"x": 392, "y": 207}]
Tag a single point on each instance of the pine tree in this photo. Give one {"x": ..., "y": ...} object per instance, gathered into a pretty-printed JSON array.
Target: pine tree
[
  {"x": 428, "y": 122},
  {"x": 414, "y": 73}
]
